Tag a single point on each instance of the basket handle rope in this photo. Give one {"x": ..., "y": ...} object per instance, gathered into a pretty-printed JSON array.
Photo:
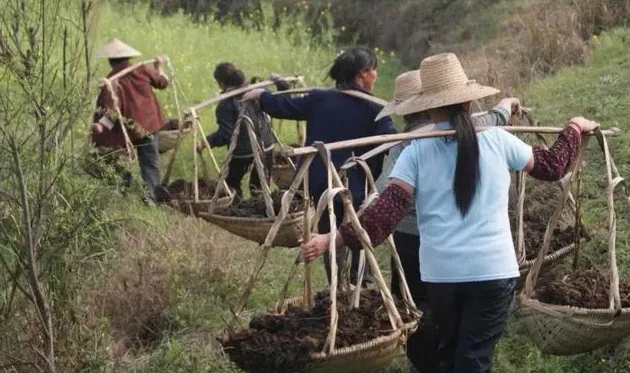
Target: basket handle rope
[
  {"x": 614, "y": 180},
  {"x": 258, "y": 152},
  {"x": 532, "y": 276},
  {"x": 521, "y": 181},
  {"x": 287, "y": 198},
  {"x": 372, "y": 194},
  {"x": 226, "y": 164},
  {"x": 180, "y": 117},
  {"x": 334, "y": 180}
]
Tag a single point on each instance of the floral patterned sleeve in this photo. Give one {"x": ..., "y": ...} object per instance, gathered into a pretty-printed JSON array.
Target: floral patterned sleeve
[
  {"x": 553, "y": 163},
  {"x": 380, "y": 218}
]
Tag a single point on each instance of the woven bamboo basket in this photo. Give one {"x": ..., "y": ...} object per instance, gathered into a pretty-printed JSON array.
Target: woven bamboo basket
[
  {"x": 283, "y": 175},
  {"x": 564, "y": 330},
  {"x": 167, "y": 140},
  {"x": 567, "y": 330},
  {"x": 256, "y": 229}
]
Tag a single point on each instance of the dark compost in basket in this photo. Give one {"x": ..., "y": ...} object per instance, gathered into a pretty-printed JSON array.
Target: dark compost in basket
[
  {"x": 283, "y": 343},
  {"x": 585, "y": 289},
  {"x": 255, "y": 207},
  {"x": 183, "y": 190},
  {"x": 541, "y": 200}
]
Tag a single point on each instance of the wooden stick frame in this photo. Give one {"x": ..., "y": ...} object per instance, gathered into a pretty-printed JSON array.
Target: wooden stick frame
[
  {"x": 258, "y": 161},
  {"x": 521, "y": 180},
  {"x": 336, "y": 188}
]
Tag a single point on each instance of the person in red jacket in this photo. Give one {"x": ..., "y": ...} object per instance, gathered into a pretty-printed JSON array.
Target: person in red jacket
[{"x": 140, "y": 110}]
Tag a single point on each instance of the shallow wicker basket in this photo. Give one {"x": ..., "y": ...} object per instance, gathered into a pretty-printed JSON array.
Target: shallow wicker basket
[
  {"x": 256, "y": 229},
  {"x": 564, "y": 330},
  {"x": 283, "y": 175},
  {"x": 167, "y": 140},
  {"x": 366, "y": 357},
  {"x": 567, "y": 330}
]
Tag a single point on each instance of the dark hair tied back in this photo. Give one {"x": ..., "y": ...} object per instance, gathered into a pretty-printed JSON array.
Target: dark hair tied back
[
  {"x": 228, "y": 75},
  {"x": 351, "y": 62},
  {"x": 467, "y": 172}
]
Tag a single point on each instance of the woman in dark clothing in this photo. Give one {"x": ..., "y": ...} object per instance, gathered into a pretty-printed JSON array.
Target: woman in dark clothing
[
  {"x": 333, "y": 116},
  {"x": 227, "y": 112}
]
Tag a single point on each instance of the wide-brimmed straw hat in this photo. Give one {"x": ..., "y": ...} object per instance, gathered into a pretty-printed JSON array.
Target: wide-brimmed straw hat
[
  {"x": 117, "y": 49},
  {"x": 405, "y": 86},
  {"x": 444, "y": 83}
]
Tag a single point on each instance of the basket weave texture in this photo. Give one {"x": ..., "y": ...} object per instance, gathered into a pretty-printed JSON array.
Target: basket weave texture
[
  {"x": 167, "y": 140},
  {"x": 366, "y": 357},
  {"x": 256, "y": 229}
]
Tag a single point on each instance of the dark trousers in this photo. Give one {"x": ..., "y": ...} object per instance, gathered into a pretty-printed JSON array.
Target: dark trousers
[
  {"x": 422, "y": 344},
  {"x": 149, "y": 160},
  {"x": 238, "y": 167},
  {"x": 342, "y": 252},
  {"x": 470, "y": 318}
]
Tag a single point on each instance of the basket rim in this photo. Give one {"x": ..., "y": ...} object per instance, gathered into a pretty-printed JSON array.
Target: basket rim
[
  {"x": 291, "y": 218},
  {"x": 205, "y": 200},
  {"x": 392, "y": 338},
  {"x": 344, "y": 351},
  {"x": 573, "y": 310},
  {"x": 558, "y": 254}
]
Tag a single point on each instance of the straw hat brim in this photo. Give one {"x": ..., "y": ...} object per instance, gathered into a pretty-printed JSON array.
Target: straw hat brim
[
  {"x": 431, "y": 100},
  {"x": 117, "y": 49},
  {"x": 388, "y": 110}
]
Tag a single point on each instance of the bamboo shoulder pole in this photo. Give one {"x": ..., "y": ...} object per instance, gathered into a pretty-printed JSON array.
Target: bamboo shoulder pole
[
  {"x": 372, "y": 140},
  {"x": 348, "y": 92},
  {"x": 129, "y": 69},
  {"x": 242, "y": 90},
  {"x": 388, "y": 145}
]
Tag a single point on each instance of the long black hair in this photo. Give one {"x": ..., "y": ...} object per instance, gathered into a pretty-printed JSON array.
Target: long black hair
[
  {"x": 228, "y": 75},
  {"x": 467, "y": 172},
  {"x": 351, "y": 62}
]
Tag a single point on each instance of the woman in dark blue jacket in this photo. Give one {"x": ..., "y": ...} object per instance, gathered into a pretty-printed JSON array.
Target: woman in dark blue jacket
[{"x": 333, "y": 116}]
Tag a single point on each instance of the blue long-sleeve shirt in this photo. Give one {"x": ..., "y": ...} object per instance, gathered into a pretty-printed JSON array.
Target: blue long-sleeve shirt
[{"x": 333, "y": 116}]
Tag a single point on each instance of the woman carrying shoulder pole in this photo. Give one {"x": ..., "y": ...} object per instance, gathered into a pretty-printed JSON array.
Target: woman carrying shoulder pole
[{"x": 333, "y": 116}]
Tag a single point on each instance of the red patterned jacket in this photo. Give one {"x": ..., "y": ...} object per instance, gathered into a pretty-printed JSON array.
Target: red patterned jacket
[{"x": 138, "y": 105}]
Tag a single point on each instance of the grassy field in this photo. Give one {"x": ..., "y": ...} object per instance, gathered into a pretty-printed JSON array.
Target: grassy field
[{"x": 178, "y": 276}]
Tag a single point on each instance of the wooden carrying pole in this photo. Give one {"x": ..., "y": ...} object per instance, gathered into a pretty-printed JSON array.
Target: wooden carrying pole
[
  {"x": 242, "y": 90},
  {"x": 373, "y": 140}
]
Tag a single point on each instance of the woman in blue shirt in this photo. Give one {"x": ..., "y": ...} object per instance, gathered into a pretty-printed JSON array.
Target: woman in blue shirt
[
  {"x": 460, "y": 186},
  {"x": 333, "y": 116}
]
